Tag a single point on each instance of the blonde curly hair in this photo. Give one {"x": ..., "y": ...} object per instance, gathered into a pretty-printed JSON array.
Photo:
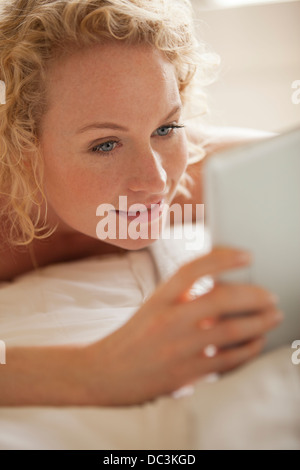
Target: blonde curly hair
[{"x": 35, "y": 32}]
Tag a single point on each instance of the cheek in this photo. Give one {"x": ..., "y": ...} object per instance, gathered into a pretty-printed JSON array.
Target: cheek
[
  {"x": 74, "y": 194},
  {"x": 76, "y": 189},
  {"x": 177, "y": 158}
]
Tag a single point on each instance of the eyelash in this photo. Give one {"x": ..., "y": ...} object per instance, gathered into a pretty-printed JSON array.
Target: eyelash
[{"x": 172, "y": 127}]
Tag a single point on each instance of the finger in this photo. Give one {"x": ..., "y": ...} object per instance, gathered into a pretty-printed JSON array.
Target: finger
[
  {"x": 201, "y": 364},
  {"x": 190, "y": 340},
  {"x": 218, "y": 260},
  {"x": 228, "y": 299},
  {"x": 244, "y": 328},
  {"x": 228, "y": 359}
]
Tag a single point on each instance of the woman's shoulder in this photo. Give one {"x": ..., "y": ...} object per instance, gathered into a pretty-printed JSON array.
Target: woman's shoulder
[
  {"x": 57, "y": 248},
  {"x": 13, "y": 260}
]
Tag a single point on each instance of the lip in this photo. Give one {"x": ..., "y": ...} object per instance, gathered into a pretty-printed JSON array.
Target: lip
[
  {"x": 144, "y": 216},
  {"x": 140, "y": 207},
  {"x": 152, "y": 203}
]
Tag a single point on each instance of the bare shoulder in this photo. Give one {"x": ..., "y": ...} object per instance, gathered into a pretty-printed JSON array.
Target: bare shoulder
[
  {"x": 13, "y": 261},
  {"x": 58, "y": 248}
]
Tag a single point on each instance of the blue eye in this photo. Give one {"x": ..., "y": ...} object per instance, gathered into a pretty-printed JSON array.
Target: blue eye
[
  {"x": 163, "y": 131},
  {"x": 110, "y": 145},
  {"x": 106, "y": 147}
]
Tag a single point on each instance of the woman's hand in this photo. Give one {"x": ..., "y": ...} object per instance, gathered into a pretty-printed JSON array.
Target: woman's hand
[{"x": 162, "y": 347}]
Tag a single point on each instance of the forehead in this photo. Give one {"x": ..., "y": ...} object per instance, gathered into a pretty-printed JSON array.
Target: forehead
[{"x": 111, "y": 78}]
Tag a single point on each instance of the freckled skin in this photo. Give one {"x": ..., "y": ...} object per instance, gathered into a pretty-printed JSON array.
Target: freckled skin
[{"x": 133, "y": 87}]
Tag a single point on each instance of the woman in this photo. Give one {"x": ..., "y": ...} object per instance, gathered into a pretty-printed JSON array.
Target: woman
[{"x": 95, "y": 92}]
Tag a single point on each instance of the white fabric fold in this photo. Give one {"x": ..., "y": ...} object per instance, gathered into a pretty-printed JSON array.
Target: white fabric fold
[{"x": 256, "y": 406}]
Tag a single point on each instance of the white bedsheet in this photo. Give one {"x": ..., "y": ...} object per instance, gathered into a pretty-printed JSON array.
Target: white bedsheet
[{"x": 256, "y": 406}]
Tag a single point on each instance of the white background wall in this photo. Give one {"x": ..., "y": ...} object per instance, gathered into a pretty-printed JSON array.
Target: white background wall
[{"x": 259, "y": 46}]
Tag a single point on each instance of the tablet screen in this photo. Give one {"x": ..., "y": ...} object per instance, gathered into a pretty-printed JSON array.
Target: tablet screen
[{"x": 252, "y": 202}]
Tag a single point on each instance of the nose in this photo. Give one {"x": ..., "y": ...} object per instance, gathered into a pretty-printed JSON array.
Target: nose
[{"x": 148, "y": 173}]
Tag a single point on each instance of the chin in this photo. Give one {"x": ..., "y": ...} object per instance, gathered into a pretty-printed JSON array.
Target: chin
[
  {"x": 132, "y": 245},
  {"x": 132, "y": 236}
]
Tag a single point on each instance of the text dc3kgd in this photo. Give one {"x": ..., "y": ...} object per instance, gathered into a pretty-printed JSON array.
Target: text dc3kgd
[{"x": 162, "y": 459}]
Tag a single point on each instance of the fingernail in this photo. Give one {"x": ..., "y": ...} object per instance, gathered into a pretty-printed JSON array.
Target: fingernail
[
  {"x": 274, "y": 298},
  {"x": 278, "y": 316},
  {"x": 244, "y": 256}
]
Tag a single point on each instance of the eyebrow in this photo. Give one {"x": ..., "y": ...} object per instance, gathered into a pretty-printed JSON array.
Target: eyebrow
[{"x": 111, "y": 125}]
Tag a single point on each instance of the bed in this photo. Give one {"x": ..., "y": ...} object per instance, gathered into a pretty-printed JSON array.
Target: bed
[{"x": 254, "y": 407}]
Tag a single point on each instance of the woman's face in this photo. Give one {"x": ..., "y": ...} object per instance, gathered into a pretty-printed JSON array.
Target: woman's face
[{"x": 108, "y": 133}]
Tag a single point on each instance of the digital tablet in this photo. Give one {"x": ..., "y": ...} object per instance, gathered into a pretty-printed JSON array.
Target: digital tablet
[{"x": 252, "y": 202}]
